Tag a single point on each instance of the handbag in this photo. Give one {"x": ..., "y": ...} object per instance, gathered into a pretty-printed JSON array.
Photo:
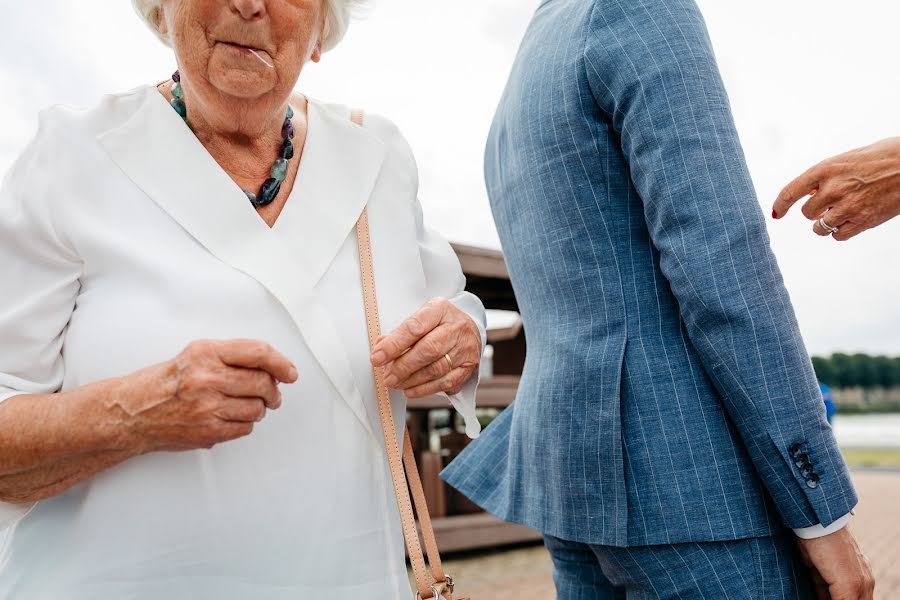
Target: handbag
[{"x": 431, "y": 581}]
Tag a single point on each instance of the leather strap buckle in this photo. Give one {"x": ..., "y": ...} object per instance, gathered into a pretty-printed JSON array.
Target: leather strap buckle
[{"x": 436, "y": 591}]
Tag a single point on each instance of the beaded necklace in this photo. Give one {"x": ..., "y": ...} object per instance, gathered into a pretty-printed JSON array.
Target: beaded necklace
[{"x": 277, "y": 174}]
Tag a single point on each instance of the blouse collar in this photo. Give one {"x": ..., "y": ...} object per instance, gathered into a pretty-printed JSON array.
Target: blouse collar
[{"x": 339, "y": 167}]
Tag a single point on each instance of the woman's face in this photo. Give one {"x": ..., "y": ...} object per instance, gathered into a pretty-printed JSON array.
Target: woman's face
[{"x": 223, "y": 46}]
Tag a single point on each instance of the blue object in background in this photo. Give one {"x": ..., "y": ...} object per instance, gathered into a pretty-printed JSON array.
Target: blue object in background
[{"x": 830, "y": 407}]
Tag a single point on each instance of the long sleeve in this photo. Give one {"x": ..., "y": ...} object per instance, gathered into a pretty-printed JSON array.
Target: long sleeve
[
  {"x": 444, "y": 278},
  {"x": 653, "y": 74},
  {"x": 40, "y": 282}
]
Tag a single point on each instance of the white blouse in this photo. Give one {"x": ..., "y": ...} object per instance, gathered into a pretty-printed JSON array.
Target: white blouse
[{"x": 121, "y": 241}]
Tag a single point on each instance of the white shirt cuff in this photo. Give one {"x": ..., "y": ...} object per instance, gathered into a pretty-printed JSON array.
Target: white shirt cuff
[
  {"x": 464, "y": 403},
  {"x": 817, "y": 531}
]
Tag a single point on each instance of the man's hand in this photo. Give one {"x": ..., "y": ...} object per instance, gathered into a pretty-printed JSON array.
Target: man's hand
[
  {"x": 840, "y": 569},
  {"x": 853, "y": 192}
]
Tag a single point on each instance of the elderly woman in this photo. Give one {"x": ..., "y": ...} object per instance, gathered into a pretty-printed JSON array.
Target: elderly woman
[{"x": 180, "y": 261}]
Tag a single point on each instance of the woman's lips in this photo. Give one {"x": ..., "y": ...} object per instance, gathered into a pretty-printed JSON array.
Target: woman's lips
[
  {"x": 240, "y": 46},
  {"x": 261, "y": 55}
]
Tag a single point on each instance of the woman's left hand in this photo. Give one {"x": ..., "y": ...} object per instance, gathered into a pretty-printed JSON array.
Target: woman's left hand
[{"x": 438, "y": 349}]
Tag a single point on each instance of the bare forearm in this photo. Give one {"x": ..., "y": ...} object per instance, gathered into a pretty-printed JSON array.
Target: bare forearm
[
  {"x": 45, "y": 429},
  {"x": 211, "y": 392},
  {"x": 49, "y": 480},
  {"x": 53, "y": 441}
]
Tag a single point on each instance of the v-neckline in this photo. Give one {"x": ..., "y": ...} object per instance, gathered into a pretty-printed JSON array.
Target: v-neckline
[
  {"x": 301, "y": 175},
  {"x": 291, "y": 199},
  {"x": 164, "y": 159}
]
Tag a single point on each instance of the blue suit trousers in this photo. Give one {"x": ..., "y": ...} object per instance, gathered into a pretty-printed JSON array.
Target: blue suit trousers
[{"x": 760, "y": 568}]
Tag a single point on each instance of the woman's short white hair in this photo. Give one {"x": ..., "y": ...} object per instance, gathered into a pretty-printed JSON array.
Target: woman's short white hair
[{"x": 337, "y": 19}]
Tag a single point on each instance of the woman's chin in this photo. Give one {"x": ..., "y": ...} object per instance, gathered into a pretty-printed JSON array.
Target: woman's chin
[{"x": 243, "y": 82}]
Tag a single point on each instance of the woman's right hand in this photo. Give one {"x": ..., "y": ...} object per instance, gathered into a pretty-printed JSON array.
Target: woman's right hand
[
  {"x": 852, "y": 192},
  {"x": 212, "y": 392}
]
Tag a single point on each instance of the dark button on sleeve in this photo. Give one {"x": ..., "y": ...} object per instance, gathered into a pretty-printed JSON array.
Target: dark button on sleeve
[
  {"x": 806, "y": 470},
  {"x": 794, "y": 450},
  {"x": 801, "y": 459},
  {"x": 813, "y": 480}
]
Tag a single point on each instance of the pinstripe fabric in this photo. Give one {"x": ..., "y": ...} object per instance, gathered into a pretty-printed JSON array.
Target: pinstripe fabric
[
  {"x": 766, "y": 568},
  {"x": 666, "y": 379}
]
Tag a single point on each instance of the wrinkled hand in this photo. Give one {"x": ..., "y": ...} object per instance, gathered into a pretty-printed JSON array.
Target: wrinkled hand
[
  {"x": 415, "y": 354},
  {"x": 212, "y": 392},
  {"x": 840, "y": 569},
  {"x": 854, "y": 191}
]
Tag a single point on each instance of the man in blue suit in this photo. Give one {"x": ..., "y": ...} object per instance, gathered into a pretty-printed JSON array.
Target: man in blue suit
[{"x": 668, "y": 433}]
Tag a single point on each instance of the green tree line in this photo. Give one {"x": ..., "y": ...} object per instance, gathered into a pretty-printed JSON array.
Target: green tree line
[{"x": 858, "y": 370}]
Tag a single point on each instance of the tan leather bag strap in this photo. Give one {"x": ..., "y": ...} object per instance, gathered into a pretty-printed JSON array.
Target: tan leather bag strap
[
  {"x": 436, "y": 583},
  {"x": 415, "y": 484}
]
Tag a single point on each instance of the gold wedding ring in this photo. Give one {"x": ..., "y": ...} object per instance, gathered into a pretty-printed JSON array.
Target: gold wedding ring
[{"x": 449, "y": 361}]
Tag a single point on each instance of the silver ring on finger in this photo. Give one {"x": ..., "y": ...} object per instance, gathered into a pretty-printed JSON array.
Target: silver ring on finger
[{"x": 826, "y": 226}]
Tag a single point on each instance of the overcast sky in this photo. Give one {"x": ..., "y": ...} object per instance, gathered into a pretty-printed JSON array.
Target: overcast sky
[{"x": 807, "y": 79}]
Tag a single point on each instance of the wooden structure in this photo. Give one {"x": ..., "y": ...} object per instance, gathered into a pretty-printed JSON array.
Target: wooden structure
[{"x": 437, "y": 434}]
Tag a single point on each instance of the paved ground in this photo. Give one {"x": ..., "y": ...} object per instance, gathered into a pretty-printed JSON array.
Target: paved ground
[{"x": 525, "y": 573}]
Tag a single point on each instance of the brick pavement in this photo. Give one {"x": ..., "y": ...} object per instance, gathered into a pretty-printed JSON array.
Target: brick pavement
[
  {"x": 525, "y": 574},
  {"x": 877, "y": 525}
]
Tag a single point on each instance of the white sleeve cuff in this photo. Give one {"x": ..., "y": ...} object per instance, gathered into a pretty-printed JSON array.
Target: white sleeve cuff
[
  {"x": 464, "y": 401},
  {"x": 10, "y": 514},
  {"x": 7, "y": 393},
  {"x": 817, "y": 531}
]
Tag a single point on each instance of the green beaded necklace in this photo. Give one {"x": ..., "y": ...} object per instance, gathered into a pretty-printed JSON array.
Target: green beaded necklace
[{"x": 277, "y": 174}]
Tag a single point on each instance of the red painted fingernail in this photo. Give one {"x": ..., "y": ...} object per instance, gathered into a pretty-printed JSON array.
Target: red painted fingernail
[{"x": 774, "y": 214}]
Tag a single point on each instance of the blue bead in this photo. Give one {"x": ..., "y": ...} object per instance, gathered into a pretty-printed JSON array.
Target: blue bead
[
  {"x": 290, "y": 113},
  {"x": 287, "y": 150},
  {"x": 179, "y": 106},
  {"x": 177, "y": 91},
  {"x": 268, "y": 191},
  {"x": 279, "y": 169}
]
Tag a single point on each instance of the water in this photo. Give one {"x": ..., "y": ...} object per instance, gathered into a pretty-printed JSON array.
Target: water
[{"x": 867, "y": 431}]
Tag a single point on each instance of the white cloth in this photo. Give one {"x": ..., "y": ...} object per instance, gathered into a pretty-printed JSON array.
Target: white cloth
[
  {"x": 121, "y": 240},
  {"x": 818, "y": 530}
]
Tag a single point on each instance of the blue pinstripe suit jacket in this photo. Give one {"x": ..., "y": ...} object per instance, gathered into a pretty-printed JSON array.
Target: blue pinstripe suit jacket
[{"x": 667, "y": 395}]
